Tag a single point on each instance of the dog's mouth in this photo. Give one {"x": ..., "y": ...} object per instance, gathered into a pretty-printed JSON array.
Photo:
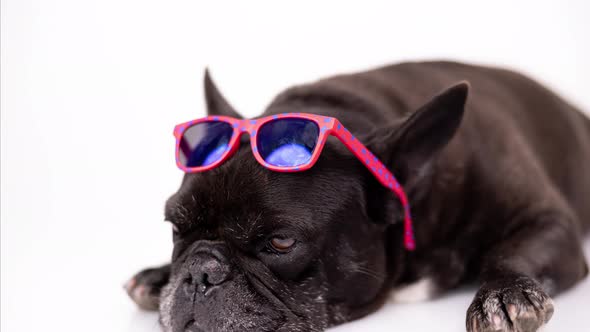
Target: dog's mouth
[
  {"x": 235, "y": 306},
  {"x": 193, "y": 326}
]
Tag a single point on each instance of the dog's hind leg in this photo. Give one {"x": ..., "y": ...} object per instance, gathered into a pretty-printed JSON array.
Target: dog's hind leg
[
  {"x": 540, "y": 257},
  {"x": 145, "y": 287}
]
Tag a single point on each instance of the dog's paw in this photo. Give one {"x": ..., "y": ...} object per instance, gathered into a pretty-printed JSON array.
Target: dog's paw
[
  {"x": 144, "y": 288},
  {"x": 511, "y": 305}
]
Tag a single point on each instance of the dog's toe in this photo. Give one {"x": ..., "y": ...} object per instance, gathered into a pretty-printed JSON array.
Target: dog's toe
[{"x": 144, "y": 288}]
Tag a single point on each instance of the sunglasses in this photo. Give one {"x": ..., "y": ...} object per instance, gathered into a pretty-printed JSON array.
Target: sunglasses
[{"x": 290, "y": 142}]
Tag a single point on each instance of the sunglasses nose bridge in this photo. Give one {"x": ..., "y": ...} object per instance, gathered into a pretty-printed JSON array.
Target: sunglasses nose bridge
[
  {"x": 252, "y": 133},
  {"x": 248, "y": 127},
  {"x": 245, "y": 127}
]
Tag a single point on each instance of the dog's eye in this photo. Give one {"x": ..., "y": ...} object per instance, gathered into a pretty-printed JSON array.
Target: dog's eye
[{"x": 281, "y": 244}]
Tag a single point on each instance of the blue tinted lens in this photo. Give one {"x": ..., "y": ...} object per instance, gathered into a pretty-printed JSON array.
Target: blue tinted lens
[
  {"x": 204, "y": 143},
  {"x": 287, "y": 142}
]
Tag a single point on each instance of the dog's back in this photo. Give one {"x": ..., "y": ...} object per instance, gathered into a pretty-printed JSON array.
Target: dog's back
[{"x": 511, "y": 122}]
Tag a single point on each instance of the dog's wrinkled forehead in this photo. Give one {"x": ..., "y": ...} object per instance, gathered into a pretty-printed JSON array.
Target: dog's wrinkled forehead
[
  {"x": 233, "y": 190},
  {"x": 243, "y": 190}
]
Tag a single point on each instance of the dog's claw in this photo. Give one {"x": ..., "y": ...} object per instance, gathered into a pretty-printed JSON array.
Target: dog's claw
[
  {"x": 498, "y": 322},
  {"x": 512, "y": 310},
  {"x": 473, "y": 325},
  {"x": 129, "y": 284}
]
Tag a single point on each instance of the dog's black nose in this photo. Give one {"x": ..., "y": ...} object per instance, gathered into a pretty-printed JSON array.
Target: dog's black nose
[{"x": 207, "y": 271}]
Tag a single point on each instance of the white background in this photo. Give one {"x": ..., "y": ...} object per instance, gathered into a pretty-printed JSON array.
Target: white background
[{"x": 92, "y": 89}]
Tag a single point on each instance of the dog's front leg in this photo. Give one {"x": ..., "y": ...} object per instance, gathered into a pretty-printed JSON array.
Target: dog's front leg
[
  {"x": 539, "y": 258},
  {"x": 145, "y": 287}
]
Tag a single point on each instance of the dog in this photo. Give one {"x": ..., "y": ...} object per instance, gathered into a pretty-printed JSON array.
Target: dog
[{"x": 495, "y": 167}]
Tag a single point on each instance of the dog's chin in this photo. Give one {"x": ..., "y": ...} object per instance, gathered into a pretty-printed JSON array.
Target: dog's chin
[{"x": 234, "y": 307}]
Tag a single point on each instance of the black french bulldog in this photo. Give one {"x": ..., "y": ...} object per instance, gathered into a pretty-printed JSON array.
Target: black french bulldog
[{"x": 498, "y": 183}]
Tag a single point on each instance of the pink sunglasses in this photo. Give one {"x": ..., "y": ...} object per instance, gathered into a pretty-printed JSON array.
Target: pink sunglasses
[{"x": 290, "y": 142}]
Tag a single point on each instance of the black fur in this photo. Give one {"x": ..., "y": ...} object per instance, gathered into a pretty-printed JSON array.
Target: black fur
[{"x": 495, "y": 170}]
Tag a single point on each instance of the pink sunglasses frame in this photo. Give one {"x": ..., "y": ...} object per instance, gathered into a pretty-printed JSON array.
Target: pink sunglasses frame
[{"x": 328, "y": 126}]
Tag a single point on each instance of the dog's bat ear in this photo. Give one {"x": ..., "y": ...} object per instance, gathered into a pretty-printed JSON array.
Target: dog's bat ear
[
  {"x": 418, "y": 140},
  {"x": 216, "y": 103}
]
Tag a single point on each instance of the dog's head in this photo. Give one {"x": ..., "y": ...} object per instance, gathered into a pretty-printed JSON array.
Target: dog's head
[{"x": 256, "y": 250}]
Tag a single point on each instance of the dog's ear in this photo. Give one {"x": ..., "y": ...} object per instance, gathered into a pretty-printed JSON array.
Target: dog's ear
[
  {"x": 412, "y": 146},
  {"x": 216, "y": 103}
]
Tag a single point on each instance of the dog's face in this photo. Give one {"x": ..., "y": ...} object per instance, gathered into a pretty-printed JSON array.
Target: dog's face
[
  {"x": 256, "y": 250},
  {"x": 266, "y": 251}
]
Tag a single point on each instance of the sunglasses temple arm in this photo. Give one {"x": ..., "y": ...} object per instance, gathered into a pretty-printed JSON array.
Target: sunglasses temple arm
[{"x": 382, "y": 174}]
